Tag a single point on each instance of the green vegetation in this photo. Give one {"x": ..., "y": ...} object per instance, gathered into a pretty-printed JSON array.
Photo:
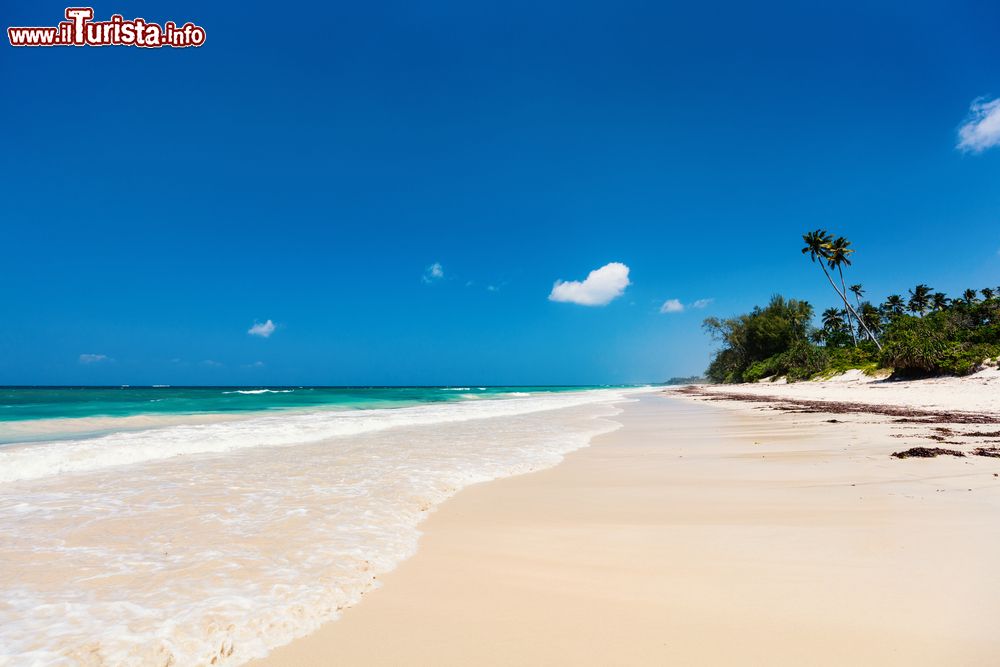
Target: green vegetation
[
  {"x": 926, "y": 334},
  {"x": 693, "y": 379}
]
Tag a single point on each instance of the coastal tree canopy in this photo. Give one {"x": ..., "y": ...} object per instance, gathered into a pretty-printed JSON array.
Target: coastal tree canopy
[{"x": 926, "y": 333}]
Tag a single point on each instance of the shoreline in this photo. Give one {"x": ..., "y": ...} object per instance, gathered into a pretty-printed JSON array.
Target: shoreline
[
  {"x": 33, "y": 429},
  {"x": 697, "y": 534},
  {"x": 226, "y": 548}
]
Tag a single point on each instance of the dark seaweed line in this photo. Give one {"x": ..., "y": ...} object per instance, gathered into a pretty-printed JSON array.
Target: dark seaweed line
[{"x": 903, "y": 415}]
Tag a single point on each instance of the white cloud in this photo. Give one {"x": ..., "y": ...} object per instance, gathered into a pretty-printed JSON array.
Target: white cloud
[
  {"x": 433, "y": 272},
  {"x": 675, "y": 305},
  {"x": 256, "y": 364},
  {"x": 264, "y": 330},
  {"x": 211, "y": 363},
  {"x": 981, "y": 129},
  {"x": 492, "y": 288},
  {"x": 602, "y": 286},
  {"x": 672, "y": 306},
  {"x": 93, "y": 358}
]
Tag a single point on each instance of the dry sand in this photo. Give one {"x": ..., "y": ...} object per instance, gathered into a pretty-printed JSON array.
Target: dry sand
[
  {"x": 698, "y": 534},
  {"x": 978, "y": 392}
]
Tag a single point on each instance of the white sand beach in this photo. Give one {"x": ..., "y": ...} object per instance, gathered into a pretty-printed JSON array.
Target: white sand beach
[
  {"x": 977, "y": 392},
  {"x": 710, "y": 532}
]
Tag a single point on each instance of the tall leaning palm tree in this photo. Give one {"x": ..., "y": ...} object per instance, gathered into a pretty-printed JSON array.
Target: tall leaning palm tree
[
  {"x": 818, "y": 247},
  {"x": 858, "y": 292},
  {"x": 838, "y": 254}
]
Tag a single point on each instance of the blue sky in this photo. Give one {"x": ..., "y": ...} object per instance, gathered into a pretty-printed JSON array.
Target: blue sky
[{"x": 309, "y": 166}]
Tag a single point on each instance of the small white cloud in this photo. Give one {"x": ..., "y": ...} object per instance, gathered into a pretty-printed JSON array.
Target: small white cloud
[
  {"x": 672, "y": 306},
  {"x": 492, "y": 288},
  {"x": 981, "y": 129},
  {"x": 256, "y": 364},
  {"x": 211, "y": 363},
  {"x": 600, "y": 288},
  {"x": 93, "y": 358},
  {"x": 675, "y": 305},
  {"x": 433, "y": 272},
  {"x": 262, "y": 329}
]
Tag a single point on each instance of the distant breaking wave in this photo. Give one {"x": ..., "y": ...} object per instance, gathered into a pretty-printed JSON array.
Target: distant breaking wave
[{"x": 260, "y": 391}]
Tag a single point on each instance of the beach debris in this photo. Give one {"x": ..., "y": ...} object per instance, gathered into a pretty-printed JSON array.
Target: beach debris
[
  {"x": 993, "y": 452},
  {"x": 926, "y": 453},
  {"x": 904, "y": 415}
]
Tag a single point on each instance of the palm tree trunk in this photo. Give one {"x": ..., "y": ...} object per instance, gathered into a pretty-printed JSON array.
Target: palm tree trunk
[
  {"x": 847, "y": 303},
  {"x": 843, "y": 295},
  {"x": 857, "y": 299}
]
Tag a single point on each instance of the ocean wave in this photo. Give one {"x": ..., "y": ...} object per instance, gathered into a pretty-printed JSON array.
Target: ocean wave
[
  {"x": 44, "y": 459},
  {"x": 218, "y": 559},
  {"x": 260, "y": 391}
]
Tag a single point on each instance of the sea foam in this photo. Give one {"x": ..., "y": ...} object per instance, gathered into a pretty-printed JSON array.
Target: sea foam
[
  {"x": 214, "y": 543},
  {"x": 43, "y": 459}
]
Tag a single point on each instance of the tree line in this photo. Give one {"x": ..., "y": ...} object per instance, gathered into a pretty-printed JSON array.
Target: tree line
[{"x": 925, "y": 333}]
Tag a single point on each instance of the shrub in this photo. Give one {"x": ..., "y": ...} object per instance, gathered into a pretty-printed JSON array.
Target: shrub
[
  {"x": 925, "y": 346},
  {"x": 962, "y": 359},
  {"x": 802, "y": 360},
  {"x": 799, "y": 362},
  {"x": 846, "y": 358},
  {"x": 912, "y": 349},
  {"x": 761, "y": 369}
]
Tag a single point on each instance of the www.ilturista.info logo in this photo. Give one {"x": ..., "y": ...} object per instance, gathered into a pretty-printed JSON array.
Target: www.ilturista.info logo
[{"x": 79, "y": 29}]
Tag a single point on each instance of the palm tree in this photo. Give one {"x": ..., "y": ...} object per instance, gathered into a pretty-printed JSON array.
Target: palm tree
[
  {"x": 838, "y": 254},
  {"x": 920, "y": 299},
  {"x": 969, "y": 296},
  {"x": 832, "y": 319},
  {"x": 859, "y": 292},
  {"x": 894, "y": 305},
  {"x": 939, "y": 301},
  {"x": 818, "y": 244},
  {"x": 870, "y": 316},
  {"x": 987, "y": 293}
]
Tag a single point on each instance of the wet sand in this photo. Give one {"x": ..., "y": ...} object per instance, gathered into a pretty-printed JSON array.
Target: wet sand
[{"x": 699, "y": 534}]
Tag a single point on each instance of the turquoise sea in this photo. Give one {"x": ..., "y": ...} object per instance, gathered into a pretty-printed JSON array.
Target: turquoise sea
[
  {"x": 22, "y": 403},
  {"x": 207, "y": 525}
]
